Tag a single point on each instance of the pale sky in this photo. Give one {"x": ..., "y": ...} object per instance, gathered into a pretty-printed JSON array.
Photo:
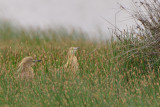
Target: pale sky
[{"x": 84, "y": 14}]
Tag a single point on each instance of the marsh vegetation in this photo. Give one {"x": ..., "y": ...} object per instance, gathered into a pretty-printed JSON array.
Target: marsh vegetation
[{"x": 120, "y": 72}]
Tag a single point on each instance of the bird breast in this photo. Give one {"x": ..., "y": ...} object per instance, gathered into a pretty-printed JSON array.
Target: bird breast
[
  {"x": 73, "y": 63},
  {"x": 26, "y": 73}
]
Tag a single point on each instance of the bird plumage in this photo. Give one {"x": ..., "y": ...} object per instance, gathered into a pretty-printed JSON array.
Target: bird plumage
[
  {"x": 25, "y": 68},
  {"x": 72, "y": 62}
]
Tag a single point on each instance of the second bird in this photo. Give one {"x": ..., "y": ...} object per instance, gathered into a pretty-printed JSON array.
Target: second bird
[{"x": 72, "y": 63}]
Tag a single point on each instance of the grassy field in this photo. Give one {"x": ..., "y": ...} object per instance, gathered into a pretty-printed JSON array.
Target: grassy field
[{"x": 107, "y": 76}]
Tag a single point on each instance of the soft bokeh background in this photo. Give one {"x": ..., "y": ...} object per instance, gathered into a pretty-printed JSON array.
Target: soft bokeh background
[{"x": 86, "y": 15}]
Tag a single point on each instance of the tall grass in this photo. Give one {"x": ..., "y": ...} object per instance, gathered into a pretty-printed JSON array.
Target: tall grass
[
  {"x": 143, "y": 41},
  {"x": 104, "y": 79},
  {"x": 111, "y": 73}
]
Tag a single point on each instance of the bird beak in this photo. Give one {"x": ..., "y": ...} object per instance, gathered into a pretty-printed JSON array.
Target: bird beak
[
  {"x": 76, "y": 48},
  {"x": 37, "y": 60}
]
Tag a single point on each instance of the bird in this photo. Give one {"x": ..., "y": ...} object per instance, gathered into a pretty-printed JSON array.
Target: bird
[
  {"x": 25, "y": 68},
  {"x": 72, "y": 62}
]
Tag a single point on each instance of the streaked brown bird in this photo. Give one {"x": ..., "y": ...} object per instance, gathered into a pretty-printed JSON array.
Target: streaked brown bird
[
  {"x": 72, "y": 62},
  {"x": 25, "y": 68}
]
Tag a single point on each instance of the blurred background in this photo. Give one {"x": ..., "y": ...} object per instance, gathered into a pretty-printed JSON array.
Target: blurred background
[{"x": 85, "y": 15}]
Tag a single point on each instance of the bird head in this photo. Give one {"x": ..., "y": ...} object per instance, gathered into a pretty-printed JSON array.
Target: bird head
[
  {"x": 28, "y": 61},
  {"x": 72, "y": 50}
]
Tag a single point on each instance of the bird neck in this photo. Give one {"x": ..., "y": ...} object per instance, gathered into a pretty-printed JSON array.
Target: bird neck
[
  {"x": 25, "y": 67},
  {"x": 71, "y": 55}
]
